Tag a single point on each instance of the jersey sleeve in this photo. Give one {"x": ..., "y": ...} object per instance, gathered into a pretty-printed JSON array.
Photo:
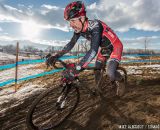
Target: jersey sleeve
[
  {"x": 96, "y": 37},
  {"x": 70, "y": 45}
]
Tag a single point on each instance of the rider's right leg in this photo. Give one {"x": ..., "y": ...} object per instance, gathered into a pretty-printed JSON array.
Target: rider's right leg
[
  {"x": 117, "y": 80},
  {"x": 112, "y": 72}
]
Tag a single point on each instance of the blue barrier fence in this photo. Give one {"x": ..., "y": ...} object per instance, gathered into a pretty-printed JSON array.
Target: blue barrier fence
[{"x": 55, "y": 70}]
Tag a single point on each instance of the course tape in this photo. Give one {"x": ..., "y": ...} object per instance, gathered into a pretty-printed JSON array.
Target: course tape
[
  {"x": 58, "y": 70},
  {"x": 8, "y": 66},
  {"x": 30, "y": 77},
  {"x": 140, "y": 61},
  {"x": 141, "y": 55},
  {"x": 33, "y": 76}
]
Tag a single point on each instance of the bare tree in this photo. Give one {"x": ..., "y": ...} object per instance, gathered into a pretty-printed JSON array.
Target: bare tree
[
  {"x": 84, "y": 46},
  {"x": 10, "y": 49},
  {"x": 50, "y": 49},
  {"x": 146, "y": 40}
]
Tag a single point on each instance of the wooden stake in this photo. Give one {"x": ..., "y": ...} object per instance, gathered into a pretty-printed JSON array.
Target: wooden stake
[{"x": 16, "y": 73}]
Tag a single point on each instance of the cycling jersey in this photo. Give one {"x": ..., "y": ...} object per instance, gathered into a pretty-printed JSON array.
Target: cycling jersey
[{"x": 100, "y": 35}]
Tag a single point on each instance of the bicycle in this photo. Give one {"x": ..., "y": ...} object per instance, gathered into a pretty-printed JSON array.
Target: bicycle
[{"x": 63, "y": 100}]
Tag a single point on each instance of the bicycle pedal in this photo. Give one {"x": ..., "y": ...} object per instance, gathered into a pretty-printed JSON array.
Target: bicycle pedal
[{"x": 94, "y": 92}]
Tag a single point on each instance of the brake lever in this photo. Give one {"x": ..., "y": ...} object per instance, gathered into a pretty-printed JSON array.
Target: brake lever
[{"x": 63, "y": 63}]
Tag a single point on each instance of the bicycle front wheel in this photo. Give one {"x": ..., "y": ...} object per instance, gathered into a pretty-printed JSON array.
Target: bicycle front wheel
[{"x": 52, "y": 108}]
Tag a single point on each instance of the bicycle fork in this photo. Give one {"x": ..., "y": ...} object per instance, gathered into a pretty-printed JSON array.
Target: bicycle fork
[{"x": 61, "y": 100}]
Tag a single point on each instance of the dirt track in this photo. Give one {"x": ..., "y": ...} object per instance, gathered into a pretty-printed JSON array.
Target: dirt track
[{"x": 140, "y": 105}]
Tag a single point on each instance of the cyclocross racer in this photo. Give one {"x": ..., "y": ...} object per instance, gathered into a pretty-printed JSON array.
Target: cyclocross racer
[{"x": 103, "y": 41}]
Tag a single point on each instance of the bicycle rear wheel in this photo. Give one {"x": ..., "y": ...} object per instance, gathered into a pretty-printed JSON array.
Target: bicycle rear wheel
[
  {"x": 109, "y": 89},
  {"x": 121, "y": 85},
  {"x": 52, "y": 107}
]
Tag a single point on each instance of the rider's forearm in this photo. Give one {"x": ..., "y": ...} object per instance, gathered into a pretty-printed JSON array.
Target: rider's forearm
[
  {"x": 65, "y": 50},
  {"x": 69, "y": 46},
  {"x": 88, "y": 58}
]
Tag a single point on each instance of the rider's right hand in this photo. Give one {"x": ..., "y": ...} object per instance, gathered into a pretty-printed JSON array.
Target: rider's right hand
[{"x": 51, "y": 60}]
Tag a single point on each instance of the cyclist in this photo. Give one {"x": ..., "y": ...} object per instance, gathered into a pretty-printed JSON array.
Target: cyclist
[{"x": 103, "y": 41}]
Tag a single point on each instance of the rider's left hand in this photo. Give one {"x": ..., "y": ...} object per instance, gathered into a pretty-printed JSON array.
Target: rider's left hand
[
  {"x": 51, "y": 60},
  {"x": 71, "y": 72}
]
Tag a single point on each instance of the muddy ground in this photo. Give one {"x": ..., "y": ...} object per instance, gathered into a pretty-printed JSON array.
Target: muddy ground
[{"x": 139, "y": 106}]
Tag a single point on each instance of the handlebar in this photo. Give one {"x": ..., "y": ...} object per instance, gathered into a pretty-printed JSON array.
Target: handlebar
[{"x": 65, "y": 66}]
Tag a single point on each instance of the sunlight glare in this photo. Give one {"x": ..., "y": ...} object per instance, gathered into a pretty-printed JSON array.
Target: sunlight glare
[{"x": 30, "y": 29}]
